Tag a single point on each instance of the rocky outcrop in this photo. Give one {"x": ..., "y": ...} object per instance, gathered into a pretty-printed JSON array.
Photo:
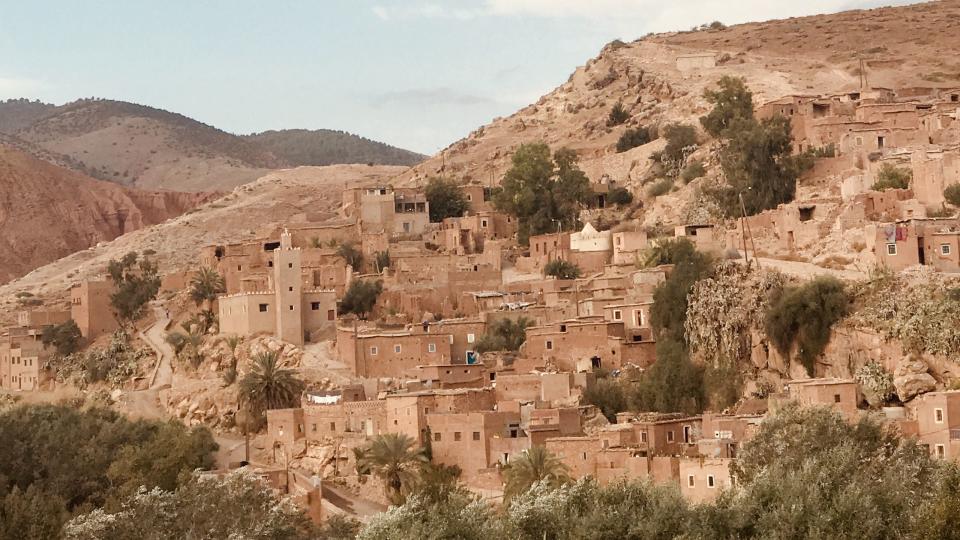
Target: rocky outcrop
[
  {"x": 48, "y": 212},
  {"x": 912, "y": 378}
]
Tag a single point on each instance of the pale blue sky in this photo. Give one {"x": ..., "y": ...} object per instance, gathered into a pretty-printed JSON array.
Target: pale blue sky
[{"x": 416, "y": 74}]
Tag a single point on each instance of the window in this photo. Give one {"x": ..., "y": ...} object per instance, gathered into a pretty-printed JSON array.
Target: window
[
  {"x": 299, "y": 428},
  {"x": 691, "y": 482},
  {"x": 944, "y": 249},
  {"x": 333, "y": 426},
  {"x": 938, "y": 416},
  {"x": 396, "y": 349},
  {"x": 670, "y": 436},
  {"x": 291, "y": 307},
  {"x": 456, "y": 436},
  {"x": 643, "y": 436},
  {"x": 290, "y": 289},
  {"x": 315, "y": 306},
  {"x": 617, "y": 315},
  {"x": 836, "y": 398},
  {"x": 469, "y": 197},
  {"x": 263, "y": 308},
  {"x": 710, "y": 482},
  {"x": 373, "y": 351},
  {"x": 891, "y": 249},
  {"x": 563, "y": 328},
  {"x": 471, "y": 338},
  {"x": 436, "y": 437},
  {"x": 313, "y": 428},
  {"x": 431, "y": 347},
  {"x": 331, "y": 314},
  {"x": 476, "y": 435},
  {"x": 549, "y": 345},
  {"x": 941, "y": 451}
]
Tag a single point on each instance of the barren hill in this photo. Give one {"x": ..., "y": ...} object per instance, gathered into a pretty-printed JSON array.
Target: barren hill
[
  {"x": 48, "y": 212},
  {"x": 16, "y": 114},
  {"x": 277, "y": 198},
  {"x": 147, "y": 148},
  {"x": 329, "y": 147},
  {"x": 901, "y": 47}
]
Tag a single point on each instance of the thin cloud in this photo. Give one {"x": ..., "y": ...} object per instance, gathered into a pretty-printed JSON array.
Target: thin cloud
[{"x": 422, "y": 97}]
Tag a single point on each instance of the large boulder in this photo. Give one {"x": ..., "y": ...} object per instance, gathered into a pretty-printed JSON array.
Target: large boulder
[{"x": 912, "y": 378}]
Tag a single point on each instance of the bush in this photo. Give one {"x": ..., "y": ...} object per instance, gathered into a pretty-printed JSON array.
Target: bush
[
  {"x": 561, "y": 269},
  {"x": 64, "y": 337},
  {"x": 891, "y": 177},
  {"x": 504, "y": 335},
  {"x": 136, "y": 282},
  {"x": 692, "y": 171},
  {"x": 607, "y": 395},
  {"x": 351, "y": 255},
  {"x": 661, "y": 187},
  {"x": 382, "y": 260},
  {"x": 620, "y": 196},
  {"x": 681, "y": 141},
  {"x": 634, "y": 137},
  {"x": 361, "y": 297},
  {"x": 804, "y": 316},
  {"x": 618, "y": 115},
  {"x": 446, "y": 199},
  {"x": 952, "y": 194}
]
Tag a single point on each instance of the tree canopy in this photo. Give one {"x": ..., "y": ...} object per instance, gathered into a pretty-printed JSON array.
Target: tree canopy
[
  {"x": 136, "y": 282},
  {"x": 360, "y": 297},
  {"x": 446, "y": 199},
  {"x": 541, "y": 190}
]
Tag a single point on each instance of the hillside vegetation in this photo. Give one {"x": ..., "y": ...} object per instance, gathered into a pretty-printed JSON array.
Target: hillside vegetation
[{"x": 328, "y": 147}]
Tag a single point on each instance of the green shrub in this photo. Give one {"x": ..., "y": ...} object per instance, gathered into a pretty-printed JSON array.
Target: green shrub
[
  {"x": 65, "y": 337},
  {"x": 618, "y": 115},
  {"x": 504, "y": 335},
  {"x": 608, "y": 395},
  {"x": 804, "y": 315},
  {"x": 634, "y": 137},
  {"x": 660, "y": 187},
  {"x": 681, "y": 140},
  {"x": 891, "y": 177},
  {"x": 733, "y": 102},
  {"x": 952, "y": 194},
  {"x": 446, "y": 199},
  {"x": 692, "y": 171},
  {"x": 561, "y": 269},
  {"x": 620, "y": 196},
  {"x": 361, "y": 297},
  {"x": 136, "y": 282}
]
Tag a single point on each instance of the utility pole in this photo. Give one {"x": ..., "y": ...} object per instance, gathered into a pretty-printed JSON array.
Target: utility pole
[{"x": 746, "y": 230}]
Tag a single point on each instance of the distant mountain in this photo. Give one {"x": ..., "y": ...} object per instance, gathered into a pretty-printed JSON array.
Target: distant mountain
[
  {"x": 148, "y": 148},
  {"x": 329, "y": 147},
  {"x": 48, "y": 212},
  {"x": 16, "y": 114}
]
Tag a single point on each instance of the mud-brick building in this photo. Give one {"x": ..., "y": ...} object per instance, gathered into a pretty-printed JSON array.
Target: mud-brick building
[
  {"x": 287, "y": 310},
  {"x": 90, "y": 308}
]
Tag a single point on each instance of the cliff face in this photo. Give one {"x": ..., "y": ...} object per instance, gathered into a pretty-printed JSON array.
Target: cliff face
[{"x": 47, "y": 212}]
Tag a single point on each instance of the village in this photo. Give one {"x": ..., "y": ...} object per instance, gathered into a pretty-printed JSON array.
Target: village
[{"x": 481, "y": 348}]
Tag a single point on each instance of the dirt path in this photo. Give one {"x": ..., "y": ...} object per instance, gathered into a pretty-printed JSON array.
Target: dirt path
[
  {"x": 358, "y": 507},
  {"x": 155, "y": 336}
]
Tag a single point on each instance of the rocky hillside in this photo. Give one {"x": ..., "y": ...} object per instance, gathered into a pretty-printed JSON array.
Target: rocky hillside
[
  {"x": 16, "y": 114},
  {"x": 901, "y": 46},
  {"x": 279, "y": 197},
  {"x": 329, "y": 147},
  {"x": 48, "y": 212}
]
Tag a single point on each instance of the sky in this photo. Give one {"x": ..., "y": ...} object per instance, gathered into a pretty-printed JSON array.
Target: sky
[{"x": 418, "y": 74}]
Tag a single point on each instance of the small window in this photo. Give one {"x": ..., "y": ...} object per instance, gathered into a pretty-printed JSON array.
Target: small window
[
  {"x": 476, "y": 435},
  {"x": 315, "y": 306},
  {"x": 691, "y": 482},
  {"x": 313, "y": 428},
  {"x": 944, "y": 249},
  {"x": 333, "y": 426},
  {"x": 617, "y": 315},
  {"x": 938, "y": 416},
  {"x": 373, "y": 351},
  {"x": 584, "y": 456},
  {"x": 290, "y": 289},
  {"x": 263, "y": 308},
  {"x": 432, "y": 347},
  {"x": 471, "y": 338},
  {"x": 469, "y": 197},
  {"x": 710, "y": 481},
  {"x": 436, "y": 437},
  {"x": 456, "y": 436},
  {"x": 891, "y": 249},
  {"x": 643, "y": 436},
  {"x": 291, "y": 307},
  {"x": 563, "y": 328},
  {"x": 670, "y": 436},
  {"x": 941, "y": 451},
  {"x": 289, "y": 265},
  {"x": 396, "y": 349},
  {"x": 331, "y": 314},
  {"x": 836, "y": 398},
  {"x": 549, "y": 345}
]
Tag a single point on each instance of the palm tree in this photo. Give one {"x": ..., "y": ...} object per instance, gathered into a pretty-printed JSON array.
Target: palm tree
[
  {"x": 269, "y": 386},
  {"x": 205, "y": 285},
  {"x": 532, "y": 466},
  {"x": 395, "y": 458}
]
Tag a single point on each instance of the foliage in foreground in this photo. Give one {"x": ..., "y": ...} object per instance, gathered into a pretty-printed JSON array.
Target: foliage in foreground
[{"x": 65, "y": 460}]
